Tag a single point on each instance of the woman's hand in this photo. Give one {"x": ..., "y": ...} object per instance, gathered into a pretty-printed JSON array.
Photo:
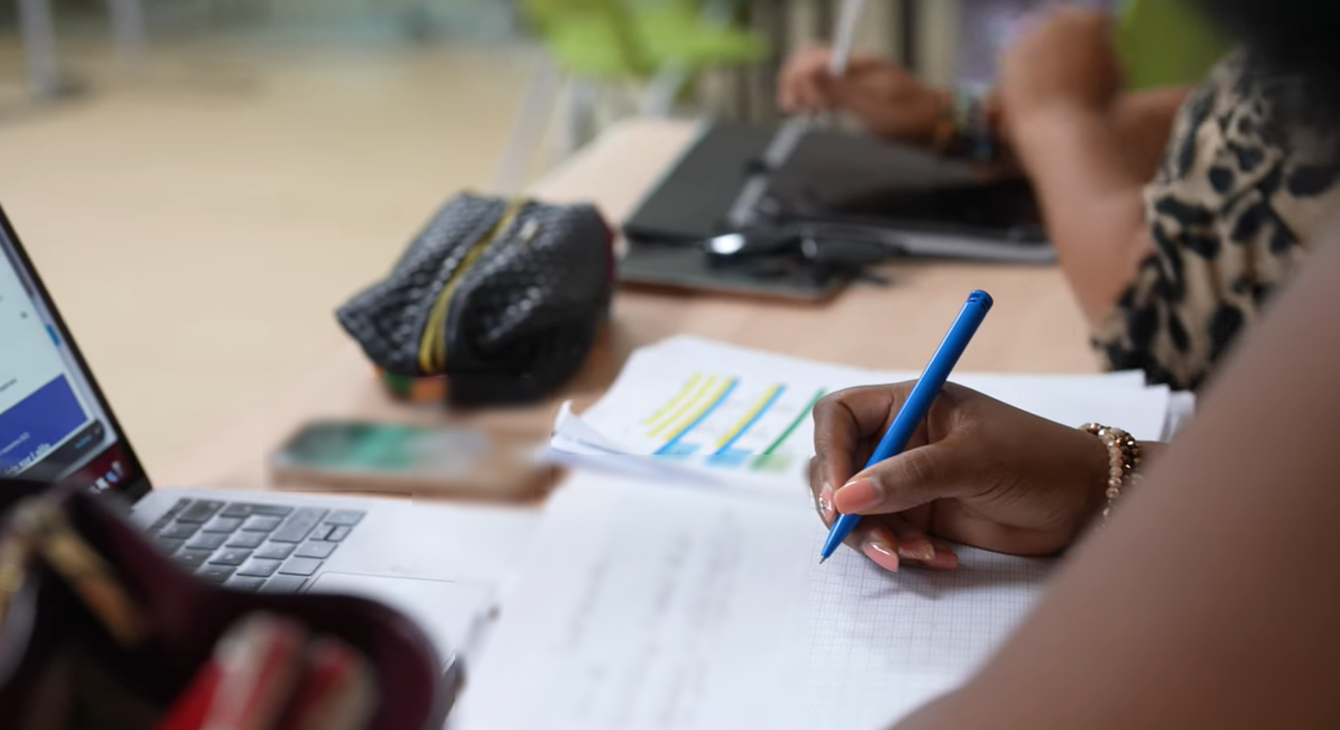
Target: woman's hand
[
  {"x": 885, "y": 98},
  {"x": 1066, "y": 63},
  {"x": 978, "y": 471}
]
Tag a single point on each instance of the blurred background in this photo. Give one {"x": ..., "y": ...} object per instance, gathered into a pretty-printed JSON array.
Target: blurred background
[{"x": 203, "y": 181}]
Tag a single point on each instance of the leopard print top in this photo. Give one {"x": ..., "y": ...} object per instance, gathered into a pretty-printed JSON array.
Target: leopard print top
[{"x": 1230, "y": 212}]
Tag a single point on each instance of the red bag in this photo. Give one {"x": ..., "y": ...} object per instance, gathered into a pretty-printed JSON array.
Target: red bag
[{"x": 113, "y": 635}]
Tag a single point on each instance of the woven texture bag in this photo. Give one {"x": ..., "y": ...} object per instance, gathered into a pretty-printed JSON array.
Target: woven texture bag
[{"x": 502, "y": 297}]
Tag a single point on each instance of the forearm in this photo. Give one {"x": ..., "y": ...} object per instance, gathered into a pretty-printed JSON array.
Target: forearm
[
  {"x": 1091, "y": 201},
  {"x": 1142, "y": 122},
  {"x": 1210, "y": 601}
]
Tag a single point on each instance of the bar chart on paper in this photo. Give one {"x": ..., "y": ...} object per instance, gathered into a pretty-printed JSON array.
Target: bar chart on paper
[
  {"x": 733, "y": 422},
  {"x": 720, "y": 415},
  {"x": 698, "y": 403}
]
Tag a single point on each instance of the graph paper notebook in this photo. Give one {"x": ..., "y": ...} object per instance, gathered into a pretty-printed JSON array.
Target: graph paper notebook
[
  {"x": 647, "y": 605},
  {"x": 740, "y": 419},
  {"x": 659, "y": 607}
]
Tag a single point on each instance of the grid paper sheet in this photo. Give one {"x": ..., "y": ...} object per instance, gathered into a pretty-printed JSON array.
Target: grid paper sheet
[
  {"x": 882, "y": 645},
  {"x": 656, "y": 608}
]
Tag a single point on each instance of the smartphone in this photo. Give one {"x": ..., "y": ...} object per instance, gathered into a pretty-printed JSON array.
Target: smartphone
[{"x": 375, "y": 457}]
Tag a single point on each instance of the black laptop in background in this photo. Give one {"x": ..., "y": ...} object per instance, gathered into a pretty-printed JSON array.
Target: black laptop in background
[{"x": 914, "y": 202}]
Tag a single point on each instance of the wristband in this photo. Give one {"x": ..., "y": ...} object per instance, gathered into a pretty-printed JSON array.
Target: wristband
[{"x": 1123, "y": 458}]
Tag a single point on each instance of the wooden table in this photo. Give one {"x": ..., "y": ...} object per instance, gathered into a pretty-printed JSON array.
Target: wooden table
[{"x": 1035, "y": 326}]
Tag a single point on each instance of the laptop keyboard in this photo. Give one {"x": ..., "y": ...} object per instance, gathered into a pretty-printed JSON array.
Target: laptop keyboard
[{"x": 252, "y": 547}]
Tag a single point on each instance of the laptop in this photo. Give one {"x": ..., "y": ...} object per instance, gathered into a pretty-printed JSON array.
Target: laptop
[
  {"x": 442, "y": 565},
  {"x": 828, "y": 185}
]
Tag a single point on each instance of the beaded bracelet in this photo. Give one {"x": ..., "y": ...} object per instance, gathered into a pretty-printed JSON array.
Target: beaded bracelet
[{"x": 1123, "y": 458}]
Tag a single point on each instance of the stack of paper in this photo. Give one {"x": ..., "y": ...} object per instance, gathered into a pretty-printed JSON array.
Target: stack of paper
[
  {"x": 740, "y": 418},
  {"x": 648, "y": 606}
]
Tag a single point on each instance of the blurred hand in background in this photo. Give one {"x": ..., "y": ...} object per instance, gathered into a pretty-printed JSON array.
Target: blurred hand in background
[{"x": 884, "y": 97}]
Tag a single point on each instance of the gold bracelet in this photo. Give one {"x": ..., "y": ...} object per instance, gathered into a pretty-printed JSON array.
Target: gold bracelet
[{"x": 1123, "y": 458}]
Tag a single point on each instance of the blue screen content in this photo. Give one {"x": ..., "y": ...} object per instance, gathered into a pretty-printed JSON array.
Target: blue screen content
[
  {"x": 49, "y": 416},
  {"x": 37, "y": 424}
]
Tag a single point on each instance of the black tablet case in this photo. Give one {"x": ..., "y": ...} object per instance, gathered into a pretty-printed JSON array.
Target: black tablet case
[{"x": 735, "y": 176}]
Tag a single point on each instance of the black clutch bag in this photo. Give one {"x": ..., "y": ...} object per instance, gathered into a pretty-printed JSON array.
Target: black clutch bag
[{"x": 502, "y": 298}]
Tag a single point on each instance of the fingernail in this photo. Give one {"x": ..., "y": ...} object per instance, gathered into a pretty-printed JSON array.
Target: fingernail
[
  {"x": 882, "y": 555},
  {"x": 826, "y": 503},
  {"x": 858, "y": 495},
  {"x": 945, "y": 557},
  {"x": 916, "y": 550},
  {"x": 943, "y": 561}
]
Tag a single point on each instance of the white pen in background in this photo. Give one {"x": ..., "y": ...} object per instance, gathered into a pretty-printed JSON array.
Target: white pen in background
[
  {"x": 795, "y": 127},
  {"x": 844, "y": 36}
]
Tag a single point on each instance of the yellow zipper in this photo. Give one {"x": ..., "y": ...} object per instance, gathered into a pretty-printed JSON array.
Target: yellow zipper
[{"x": 433, "y": 345}]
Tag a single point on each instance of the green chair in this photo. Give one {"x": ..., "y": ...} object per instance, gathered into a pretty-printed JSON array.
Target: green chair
[
  {"x": 1167, "y": 43},
  {"x": 636, "y": 55},
  {"x": 619, "y": 40}
]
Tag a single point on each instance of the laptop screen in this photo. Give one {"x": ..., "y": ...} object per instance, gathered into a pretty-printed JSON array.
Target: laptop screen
[{"x": 53, "y": 421}]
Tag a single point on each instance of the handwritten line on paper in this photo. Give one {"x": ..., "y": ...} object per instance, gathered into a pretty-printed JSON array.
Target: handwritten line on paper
[{"x": 653, "y": 607}]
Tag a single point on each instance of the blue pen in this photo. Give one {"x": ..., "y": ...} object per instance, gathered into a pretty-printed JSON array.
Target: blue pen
[{"x": 919, "y": 401}]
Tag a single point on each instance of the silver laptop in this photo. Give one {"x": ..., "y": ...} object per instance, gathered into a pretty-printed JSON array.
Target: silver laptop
[{"x": 441, "y": 564}]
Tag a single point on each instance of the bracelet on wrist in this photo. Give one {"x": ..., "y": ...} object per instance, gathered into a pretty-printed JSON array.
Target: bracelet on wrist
[{"x": 1123, "y": 459}]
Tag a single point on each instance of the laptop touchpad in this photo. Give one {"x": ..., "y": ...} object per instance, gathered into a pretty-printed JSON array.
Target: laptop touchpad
[{"x": 451, "y": 613}]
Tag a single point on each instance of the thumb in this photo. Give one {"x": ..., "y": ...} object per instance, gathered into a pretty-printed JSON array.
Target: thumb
[{"x": 913, "y": 478}]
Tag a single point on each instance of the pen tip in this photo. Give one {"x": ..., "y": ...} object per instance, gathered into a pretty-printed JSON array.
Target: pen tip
[{"x": 822, "y": 558}]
